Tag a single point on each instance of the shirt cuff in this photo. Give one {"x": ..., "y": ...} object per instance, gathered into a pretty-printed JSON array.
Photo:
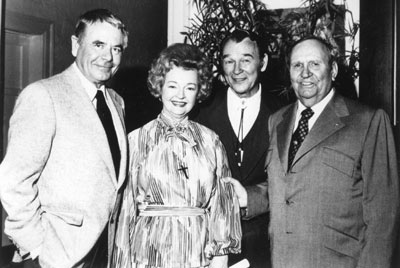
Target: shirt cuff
[{"x": 243, "y": 212}]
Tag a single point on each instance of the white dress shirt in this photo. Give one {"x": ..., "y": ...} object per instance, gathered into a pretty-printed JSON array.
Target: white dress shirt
[{"x": 251, "y": 107}]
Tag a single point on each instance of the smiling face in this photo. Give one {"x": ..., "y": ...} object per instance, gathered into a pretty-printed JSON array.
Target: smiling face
[
  {"x": 98, "y": 51},
  {"x": 310, "y": 72},
  {"x": 241, "y": 64},
  {"x": 179, "y": 92}
]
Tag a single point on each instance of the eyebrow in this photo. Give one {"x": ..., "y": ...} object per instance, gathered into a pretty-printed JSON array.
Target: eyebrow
[
  {"x": 97, "y": 42},
  {"x": 244, "y": 55}
]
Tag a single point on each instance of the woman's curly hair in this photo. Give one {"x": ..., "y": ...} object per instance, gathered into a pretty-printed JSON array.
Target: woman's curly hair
[{"x": 185, "y": 56}]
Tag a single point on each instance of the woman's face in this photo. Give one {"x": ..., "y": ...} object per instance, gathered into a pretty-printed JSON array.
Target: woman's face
[{"x": 179, "y": 92}]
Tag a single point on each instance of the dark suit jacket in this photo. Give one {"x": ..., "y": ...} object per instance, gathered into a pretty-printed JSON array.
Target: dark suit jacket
[
  {"x": 338, "y": 205},
  {"x": 214, "y": 114}
]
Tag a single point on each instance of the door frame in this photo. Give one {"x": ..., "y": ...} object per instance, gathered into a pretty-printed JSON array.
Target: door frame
[{"x": 17, "y": 22}]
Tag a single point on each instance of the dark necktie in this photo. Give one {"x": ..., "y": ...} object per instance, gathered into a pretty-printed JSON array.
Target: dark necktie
[
  {"x": 106, "y": 119},
  {"x": 300, "y": 134}
]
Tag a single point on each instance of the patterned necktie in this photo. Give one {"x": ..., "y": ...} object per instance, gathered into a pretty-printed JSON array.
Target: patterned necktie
[
  {"x": 300, "y": 134},
  {"x": 106, "y": 119}
]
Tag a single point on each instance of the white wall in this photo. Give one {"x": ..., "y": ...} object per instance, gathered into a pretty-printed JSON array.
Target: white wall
[{"x": 179, "y": 14}]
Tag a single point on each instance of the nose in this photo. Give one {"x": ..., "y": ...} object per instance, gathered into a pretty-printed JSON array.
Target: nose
[
  {"x": 305, "y": 72},
  {"x": 181, "y": 93},
  {"x": 107, "y": 54},
  {"x": 238, "y": 68}
]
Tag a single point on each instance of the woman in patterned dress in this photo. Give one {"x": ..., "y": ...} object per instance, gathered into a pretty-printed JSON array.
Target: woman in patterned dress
[{"x": 176, "y": 211}]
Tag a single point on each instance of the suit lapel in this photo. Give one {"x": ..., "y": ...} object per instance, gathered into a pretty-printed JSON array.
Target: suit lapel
[
  {"x": 328, "y": 123},
  {"x": 89, "y": 120},
  {"x": 284, "y": 134},
  {"x": 118, "y": 120}
]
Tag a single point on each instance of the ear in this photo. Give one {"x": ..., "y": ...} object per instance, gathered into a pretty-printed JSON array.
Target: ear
[
  {"x": 334, "y": 70},
  {"x": 264, "y": 62},
  {"x": 74, "y": 45}
]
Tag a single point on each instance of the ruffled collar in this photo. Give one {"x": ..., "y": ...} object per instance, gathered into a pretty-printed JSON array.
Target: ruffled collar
[{"x": 172, "y": 128}]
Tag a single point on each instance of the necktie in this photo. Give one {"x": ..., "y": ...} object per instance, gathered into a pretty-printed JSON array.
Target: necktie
[
  {"x": 300, "y": 134},
  {"x": 239, "y": 143},
  {"x": 106, "y": 119}
]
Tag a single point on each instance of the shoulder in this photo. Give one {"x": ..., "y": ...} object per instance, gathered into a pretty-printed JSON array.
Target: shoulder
[
  {"x": 146, "y": 128},
  {"x": 271, "y": 100},
  {"x": 53, "y": 83},
  {"x": 210, "y": 109},
  {"x": 358, "y": 111},
  {"x": 207, "y": 134},
  {"x": 283, "y": 111}
]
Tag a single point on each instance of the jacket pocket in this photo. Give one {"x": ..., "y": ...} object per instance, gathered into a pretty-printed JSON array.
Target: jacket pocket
[
  {"x": 338, "y": 161},
  {"x": 341, "y": 242},
  {"x": 71, "y": 218}
]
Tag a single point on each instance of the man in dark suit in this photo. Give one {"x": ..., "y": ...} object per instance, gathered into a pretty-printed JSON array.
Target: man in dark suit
[
  {"x": 239, "y": 115},
  {"x": 332, "y": 174}
]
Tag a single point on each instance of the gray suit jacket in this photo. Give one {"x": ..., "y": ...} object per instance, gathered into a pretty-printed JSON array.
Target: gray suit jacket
[
  {"x": 338, "y": 205},
  {"x": 57, "y": 180}
]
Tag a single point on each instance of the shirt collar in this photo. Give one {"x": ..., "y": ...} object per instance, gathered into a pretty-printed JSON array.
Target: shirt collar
[
  {"x": 317, "y": 109},
  {"x": 235, "y": 102},
  {"x": 320, "y": 106},
  {"x": 89, "y": 87}
]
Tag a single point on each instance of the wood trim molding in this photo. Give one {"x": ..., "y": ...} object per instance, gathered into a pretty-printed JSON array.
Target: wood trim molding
[{"x": 35, "y": 26}]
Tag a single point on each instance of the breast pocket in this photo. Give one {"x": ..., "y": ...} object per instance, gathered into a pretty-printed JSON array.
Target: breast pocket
[{"x": 337, "y": 162}]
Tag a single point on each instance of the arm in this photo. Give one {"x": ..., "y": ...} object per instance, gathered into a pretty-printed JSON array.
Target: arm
[
  {"x": 257, "y": 200},
  {"x": 225, "y": 231},
  {"x": 127, "y": 217},
  {"x": 380, "y": 193},
  {"x": 253, "y": 198},
  {"x": 32, "y": 128}
]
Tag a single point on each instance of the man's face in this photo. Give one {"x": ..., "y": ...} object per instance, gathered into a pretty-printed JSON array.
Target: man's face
[
  {"x": 310, "y": 72},
  {"x": 98, "y": 52},
  {"x": 242, "y": 64}
]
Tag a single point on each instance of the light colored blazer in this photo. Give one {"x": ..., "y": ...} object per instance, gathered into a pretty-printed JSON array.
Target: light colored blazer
[
  {"x": 57, "y": 180},
  {"x": 338, "y": 205}
]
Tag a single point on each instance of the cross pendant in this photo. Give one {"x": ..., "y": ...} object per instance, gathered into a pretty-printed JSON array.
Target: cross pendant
[{"x": 184, "y": 170}]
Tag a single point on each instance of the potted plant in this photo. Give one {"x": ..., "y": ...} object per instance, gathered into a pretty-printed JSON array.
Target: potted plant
[{"x": 278, "y": 29}]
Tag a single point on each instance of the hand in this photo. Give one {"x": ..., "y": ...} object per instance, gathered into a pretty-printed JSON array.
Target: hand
[
  {"x": 219, "y": 262},
  {"x": 239, "y": 190}
]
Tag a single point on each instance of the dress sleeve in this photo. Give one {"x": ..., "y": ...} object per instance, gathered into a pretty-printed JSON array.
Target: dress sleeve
[
  {"x": 122, "y": 256},
  {"x": 225, "y": 231}
]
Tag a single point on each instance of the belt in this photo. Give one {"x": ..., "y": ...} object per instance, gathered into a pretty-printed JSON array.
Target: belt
[{"x": 159, "y": 210}]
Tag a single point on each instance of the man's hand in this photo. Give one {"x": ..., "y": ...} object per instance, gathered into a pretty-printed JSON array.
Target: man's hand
[{"x": 239, "y": 190}]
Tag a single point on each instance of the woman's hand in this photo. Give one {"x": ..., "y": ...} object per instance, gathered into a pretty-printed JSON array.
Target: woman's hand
[
  {"x": 239, "y": 190},
  {"x": 219, "y": 262}
]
